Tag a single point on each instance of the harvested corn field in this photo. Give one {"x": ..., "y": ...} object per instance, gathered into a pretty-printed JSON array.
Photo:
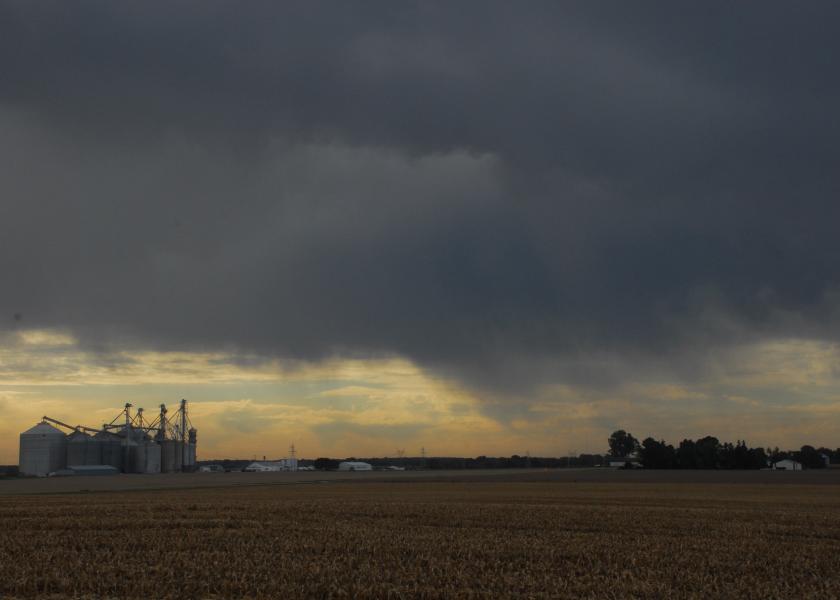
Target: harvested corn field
[{"x": 428, "y": 539}]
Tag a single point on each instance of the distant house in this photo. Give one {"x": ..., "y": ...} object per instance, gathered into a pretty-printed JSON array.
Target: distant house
[
  {"x": 787, "y": 465},
  {"x": 623, "y": 462},
  {"x": 350, "y": 465}
]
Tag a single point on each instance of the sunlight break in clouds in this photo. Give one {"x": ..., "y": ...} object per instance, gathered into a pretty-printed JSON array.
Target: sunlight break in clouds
[{"x": 245, "y": 406}]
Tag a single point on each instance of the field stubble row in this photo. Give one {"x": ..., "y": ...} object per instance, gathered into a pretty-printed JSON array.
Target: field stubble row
[{"x": 435, "y": 540}]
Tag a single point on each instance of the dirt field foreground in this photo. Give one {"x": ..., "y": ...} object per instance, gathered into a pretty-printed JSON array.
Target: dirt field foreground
[{"x": 429, "y": 539}]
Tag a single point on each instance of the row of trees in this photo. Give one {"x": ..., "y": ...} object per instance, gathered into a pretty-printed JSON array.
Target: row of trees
[
  {"x": 480, "y": 462},
  {"x": 710, "y": 453}
]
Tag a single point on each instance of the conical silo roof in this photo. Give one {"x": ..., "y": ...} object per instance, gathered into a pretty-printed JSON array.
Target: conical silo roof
[{"x": 44, "y": 429}]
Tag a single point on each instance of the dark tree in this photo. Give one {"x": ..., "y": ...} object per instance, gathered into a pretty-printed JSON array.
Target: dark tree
[
  {"x": 325, "y": 464},
  {"x": 758, "y": 458},
  {"x": 657, "y": 455},
  {"x": 740, "y": 456},
  {"x": 707, "y": 449},
  {"x": 833, "y": 455},
  {"x": 809, "y": 457},
  {"x": 687, "y": 455},
  {"x": 776, "y": 455},
  {"x": 622, "y": 443}
]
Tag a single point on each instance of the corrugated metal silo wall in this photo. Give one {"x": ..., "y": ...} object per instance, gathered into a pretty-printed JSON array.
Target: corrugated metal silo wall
[
  {"x": 138, "y": 458},
  {"x": 77, "y": 444},
  {"x": 112, "y": 451},
  {"x": 93, "y": 452},
  {"x": 191, "y": 457},
  {"x": 168, "y": 451},
  {"x": 40, "y": 455},
  {"x": 153, "y": 457},
  {"x": 179, "y": 456}
]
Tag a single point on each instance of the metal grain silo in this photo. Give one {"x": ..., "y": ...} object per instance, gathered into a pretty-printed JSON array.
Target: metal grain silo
[
  {"x": 82, "y": 449},
  {"x": 111, "y": 449},
  {"x": 153, "y": 457},
  {"x": 169, "y": 448},
  {"x": 93, "y": 452},
  {"x": 43, "y": 449},
  {"x": 190, "y": 458},
  {"x": 179, "y": 456},
  {"x": 137, "y": 452},
  {"x": 133, "y": 450}
]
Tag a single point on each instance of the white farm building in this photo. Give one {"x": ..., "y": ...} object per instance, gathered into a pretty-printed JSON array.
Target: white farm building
[
  {"x": 352, "y": 465},
  {"x": 787, "y": 465},
  {"x": 286, "y": 464}
]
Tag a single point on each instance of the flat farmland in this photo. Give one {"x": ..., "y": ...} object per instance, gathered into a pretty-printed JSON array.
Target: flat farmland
[{"x": 407, "y": 537}]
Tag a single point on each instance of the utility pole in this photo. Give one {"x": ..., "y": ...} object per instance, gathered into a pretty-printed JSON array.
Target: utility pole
[{"x": 292, "y": 458}]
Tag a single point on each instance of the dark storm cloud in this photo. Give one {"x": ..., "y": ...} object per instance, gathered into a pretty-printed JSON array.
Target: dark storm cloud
[{"x": 507, "y": 194}]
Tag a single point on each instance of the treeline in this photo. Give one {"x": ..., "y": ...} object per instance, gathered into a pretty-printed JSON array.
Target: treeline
[
  {"x": 515, "y": 462},
  {"x": 710, "y": 453},
  {"x": 480, "y": 462},
  {"x": 705, "y": 453}
]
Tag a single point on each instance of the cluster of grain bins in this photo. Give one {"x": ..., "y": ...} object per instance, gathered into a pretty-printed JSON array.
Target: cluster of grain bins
[{"x": 126, "y": 445}]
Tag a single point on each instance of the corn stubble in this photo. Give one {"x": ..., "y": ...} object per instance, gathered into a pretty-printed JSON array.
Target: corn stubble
[{"x": 428, "y": 540}]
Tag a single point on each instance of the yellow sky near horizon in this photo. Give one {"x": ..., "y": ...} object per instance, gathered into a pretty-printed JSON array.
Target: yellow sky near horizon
[{"x": 782, "y": 393}]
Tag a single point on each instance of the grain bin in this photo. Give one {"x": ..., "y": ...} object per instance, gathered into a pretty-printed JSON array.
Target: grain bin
[
  {"x": 189, "y": 455},
  {"x": 133, "y": 450},
  {"x": 168, "y": 448},
  {"x": 43, "y": 449},
  {"x": 153, "y": 459},
  {"x": 82, "y": 449},
  {"x": 137, "y": 453},
  {"x": 189, "y": 459},
  {"x": 179, "y": 456},
  {"x": 111, "y": 449}
]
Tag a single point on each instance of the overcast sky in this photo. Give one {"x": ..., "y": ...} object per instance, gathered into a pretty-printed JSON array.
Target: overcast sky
[{"x": 538, "y": 222}]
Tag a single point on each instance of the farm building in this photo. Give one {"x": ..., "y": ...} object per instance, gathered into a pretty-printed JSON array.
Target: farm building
[
  {"x": 787, "y": 465},
  {"x": 211, "y": 469},
  {"x": 285, "y": 464},
  {"x": 350, "y": 465},
  {"x": 127, "y": 444}
]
